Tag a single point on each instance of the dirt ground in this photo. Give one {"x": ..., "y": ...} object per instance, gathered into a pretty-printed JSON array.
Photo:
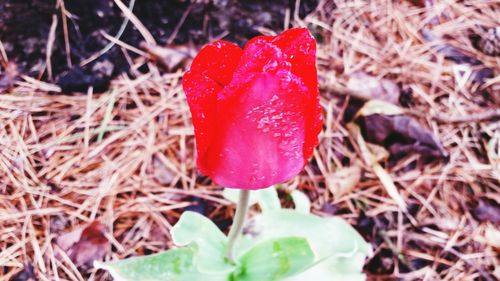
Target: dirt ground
[{"x": 109, "y": 138}]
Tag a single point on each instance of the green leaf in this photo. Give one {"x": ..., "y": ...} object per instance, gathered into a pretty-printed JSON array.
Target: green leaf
[
  {"x": 334, "y": 268},
  {"x": 172, "y": 265},
  {"x": 323, "y": 272},
  {"x": 267, "y": 198},
  {"x": 274, "y": 259},
  {"x": 193, "y": 227},
  {"x": 301, "y": 202},
  {"x": 331, "y": 239}
]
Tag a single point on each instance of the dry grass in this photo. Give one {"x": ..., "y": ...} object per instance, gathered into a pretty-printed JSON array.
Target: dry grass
[{"x": 126, "y": 157}]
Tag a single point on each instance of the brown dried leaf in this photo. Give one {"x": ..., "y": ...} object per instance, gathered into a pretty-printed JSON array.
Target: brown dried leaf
[
  {"x": 400, "y": 135},
  {"x": 475, "y": 68},
  {"x": 384, "y": 177},
  {"x": 343, "y": 180},
  {"x": 171, "y": 57},
  {"x": 487, "y": 210},
  {"x": 86, "y": 244},
  {"x": 372, "y": 87},
  {"x": 68, "y": 239}
]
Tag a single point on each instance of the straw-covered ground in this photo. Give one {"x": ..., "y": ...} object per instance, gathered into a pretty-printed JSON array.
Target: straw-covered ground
[{"x": 125, "y": 156}]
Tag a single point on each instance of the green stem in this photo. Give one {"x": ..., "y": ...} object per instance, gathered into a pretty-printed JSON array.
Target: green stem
[{"x": 239, "y": 219}]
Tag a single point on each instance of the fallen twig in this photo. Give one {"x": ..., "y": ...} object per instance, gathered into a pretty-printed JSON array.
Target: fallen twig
[{"x": 471, "y": 117}]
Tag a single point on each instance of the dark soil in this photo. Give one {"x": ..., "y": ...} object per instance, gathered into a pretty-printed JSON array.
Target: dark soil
[{"x": 25, "y": 26}]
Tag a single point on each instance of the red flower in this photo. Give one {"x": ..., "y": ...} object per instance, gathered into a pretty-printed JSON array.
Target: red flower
[{"x": 255, "y": 111}]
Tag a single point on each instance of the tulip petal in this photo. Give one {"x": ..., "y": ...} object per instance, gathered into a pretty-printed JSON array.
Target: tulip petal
[
  {"x": 259, "y": 38},
  {"x": 218, "y": 61},
  {"x": 201, "y": 93},
  {"x": 212, "y": 68},
  {"x": 256, "y": 111},
  {"x": 260, "y": 56},
  {"x": 299, "y": 47},
  {"x": 261, "y": 129}
]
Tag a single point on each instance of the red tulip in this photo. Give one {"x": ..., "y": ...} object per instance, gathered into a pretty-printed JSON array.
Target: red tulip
[{"x": 255, "y": 111}]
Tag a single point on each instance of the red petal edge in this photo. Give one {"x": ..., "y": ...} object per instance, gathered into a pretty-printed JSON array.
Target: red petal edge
[
  {"x": 218, "y": 61},
  {"x": 210, "y": 70},
  {"x": 299, "y": 47}
]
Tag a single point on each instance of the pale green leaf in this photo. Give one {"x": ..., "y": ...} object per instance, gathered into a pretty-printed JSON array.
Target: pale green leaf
[
  {"x": 328, "y": 237},
  {"x": 322, "y": 272},
  {"x": 268, "y": 199},
  {"x": 274, "y": 260},
  {"x": 301, "y": 202},
  {"x": 172, "y": 265},
  {"x": 334, "y": 268},
  {"x": 193, "y": 227}
]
